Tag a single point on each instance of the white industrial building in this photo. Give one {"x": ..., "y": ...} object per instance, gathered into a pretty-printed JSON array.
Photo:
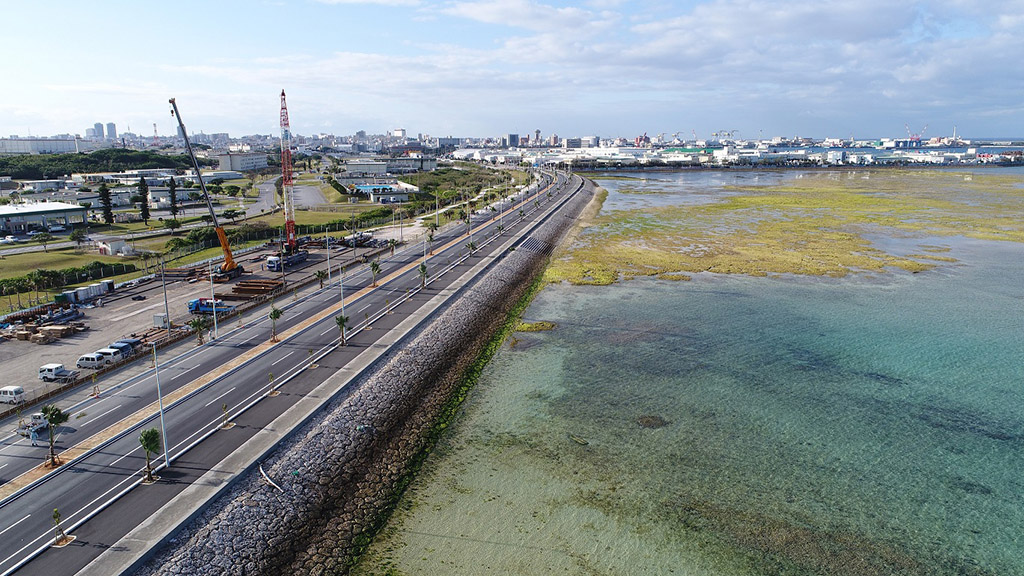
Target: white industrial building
[
  {"x": 20, "y": 218},
  {"x": 242, "y": 161},
  {"x": 10, "y": 146}
]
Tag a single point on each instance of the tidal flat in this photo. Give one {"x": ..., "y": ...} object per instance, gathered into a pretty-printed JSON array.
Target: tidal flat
[{"x": 813, "y": 223}]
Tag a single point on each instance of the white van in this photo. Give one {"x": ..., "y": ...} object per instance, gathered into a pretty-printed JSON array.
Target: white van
[
  {"x": 12, "y": 395},
  {"x": 93, "y": 360},
  {"x": 110, "y": 355}
]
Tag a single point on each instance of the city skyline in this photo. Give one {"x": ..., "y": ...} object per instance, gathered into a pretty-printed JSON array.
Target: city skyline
[{"x": 612, "y": 68}]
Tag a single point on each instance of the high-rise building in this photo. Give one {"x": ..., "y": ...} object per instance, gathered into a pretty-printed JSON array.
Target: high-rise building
[
  {"x": 536, "y": 137},
  {"x": 98, "y": 128},
  {"x": 511, "y": 141},
  {"x": 111, "y": 131}
]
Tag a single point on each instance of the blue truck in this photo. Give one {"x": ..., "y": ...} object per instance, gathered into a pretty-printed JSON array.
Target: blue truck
[{"x": 205, "y": 306}]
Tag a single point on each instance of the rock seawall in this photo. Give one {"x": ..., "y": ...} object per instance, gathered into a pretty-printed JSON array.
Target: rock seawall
[{"x": 341, "y": 470}]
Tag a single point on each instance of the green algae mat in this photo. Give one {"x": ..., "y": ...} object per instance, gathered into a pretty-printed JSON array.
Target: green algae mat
[{"x": 819, "y": 223}]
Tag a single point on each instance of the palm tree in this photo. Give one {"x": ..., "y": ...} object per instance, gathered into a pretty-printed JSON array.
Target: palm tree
[
  {"x": 275, "y": 314},
  {"x": 374, "y": 270},
  {"x": 342, "y": 322},
  {"x": 36, "y": 279},
  {"x": 471, "y": 247},
  {"x": 391, "y": 244},
  {"x": 198, "y": 325},
  {"x": 54, "y": 417},
  {"x": 321, "y": 275},
  {"x": 423, "y": 274},
  {"x": 150, "y": 440},
  {"x": 431, "y": 227}
]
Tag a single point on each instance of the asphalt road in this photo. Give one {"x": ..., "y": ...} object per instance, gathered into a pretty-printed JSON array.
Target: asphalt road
[{"x": 95, "y": 483}]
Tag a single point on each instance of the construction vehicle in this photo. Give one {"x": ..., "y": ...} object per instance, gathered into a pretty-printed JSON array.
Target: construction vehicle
[
  {"x": 35, "y": 423},
  {"x": 206, "y": 306},
  {"x": 229, "y": 269},
  {"x": 274, "y": 262}
]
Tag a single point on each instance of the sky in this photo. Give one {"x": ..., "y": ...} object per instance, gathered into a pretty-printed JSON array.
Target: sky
[{"x": 468, "y": 68}]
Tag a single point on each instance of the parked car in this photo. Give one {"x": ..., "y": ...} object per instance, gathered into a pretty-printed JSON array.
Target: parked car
[
  {"x": 8, "y": 240},
  {"x": 12, "y": 394},
  {"x": 57, "y": 228},
  {"x": 92, "y": 360}
]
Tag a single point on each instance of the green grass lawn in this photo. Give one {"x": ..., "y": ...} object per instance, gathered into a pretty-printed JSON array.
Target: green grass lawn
[{"x": 54, "y": 259}]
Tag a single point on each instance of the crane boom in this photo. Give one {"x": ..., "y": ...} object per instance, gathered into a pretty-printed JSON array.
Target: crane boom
[
  {"x": 287, "y": 184},
  {"x": 229, "y": 269}
]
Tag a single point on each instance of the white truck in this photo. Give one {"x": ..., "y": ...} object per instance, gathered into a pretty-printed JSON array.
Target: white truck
[
  {"x": 57, "y": 373},
  {"x": 34, "y": 422}
]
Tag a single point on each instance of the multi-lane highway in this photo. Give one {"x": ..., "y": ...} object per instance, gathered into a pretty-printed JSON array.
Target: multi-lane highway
[{"x": 97, "y": 489}]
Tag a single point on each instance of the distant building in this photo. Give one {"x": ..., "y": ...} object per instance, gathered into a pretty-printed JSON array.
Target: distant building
[
  {"x": 97, "y": 129},
  {"x": 9, "y": 146},
  {"x": 242, "y": 161},
  {"x": 572, "y": 143},
  {"x": 510, "y": 141},
  {"x": 111, "y": 131},
  {"x": 366, "y": 167},
  {"x": 20, "y": 218}
]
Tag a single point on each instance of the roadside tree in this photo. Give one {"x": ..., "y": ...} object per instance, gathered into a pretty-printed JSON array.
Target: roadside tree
[
  {"x": 198, "y": 324},
  {"x": 150, "y": 440},
  {"x": 54, "y": 417},
  {"x": 374, "y": 270},
  {"x": 275, "y": 314},
  {"x": 342, "y": 322}
]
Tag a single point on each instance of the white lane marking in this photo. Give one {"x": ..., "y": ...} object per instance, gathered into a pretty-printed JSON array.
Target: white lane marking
[
  {"x": 282, "y": 358},
  {"x": 253, "y": 337},
  {"x": 1, "y": 467},
  {"x": 102, "y": 415},
  {"x": 12, "y": 444},
  {"x": 219, "y": 397},
  {"x": 182, "y": 373},
  {"x": 15, "y": 524},
  {"x": 328, "y": 330},
  {"x": 363, "y": 308},
  {"x": 125, "y": 456}
]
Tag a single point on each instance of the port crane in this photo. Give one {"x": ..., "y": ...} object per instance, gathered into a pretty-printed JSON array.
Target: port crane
[
  {"x": 912, "y": 136},
  {"x": 229, "y": 269}
]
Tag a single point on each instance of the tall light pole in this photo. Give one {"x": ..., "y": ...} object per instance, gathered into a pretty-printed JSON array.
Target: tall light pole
[
  {"x": 167, "y": 311},
  {"x": 213, "y": 300},
  {"x": 328, "y": 260},
  {"x": 160, "y": 398}
]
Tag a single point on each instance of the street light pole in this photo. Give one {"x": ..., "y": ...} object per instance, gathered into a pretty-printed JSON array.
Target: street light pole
[
  {"x": 160, "y": 398},
  {"x": 167, "y": 311},
  {"x": 213, "y": 300}
]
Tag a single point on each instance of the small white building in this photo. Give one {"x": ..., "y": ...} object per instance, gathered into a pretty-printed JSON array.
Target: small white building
[{"x": 114, "y": 248}]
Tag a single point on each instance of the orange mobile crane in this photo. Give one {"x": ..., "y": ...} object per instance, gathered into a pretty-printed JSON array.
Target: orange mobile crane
[{"x": 229, "y": 269}]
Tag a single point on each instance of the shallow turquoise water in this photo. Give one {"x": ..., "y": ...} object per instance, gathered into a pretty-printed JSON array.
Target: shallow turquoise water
[{"x": 734, "y": 425}]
